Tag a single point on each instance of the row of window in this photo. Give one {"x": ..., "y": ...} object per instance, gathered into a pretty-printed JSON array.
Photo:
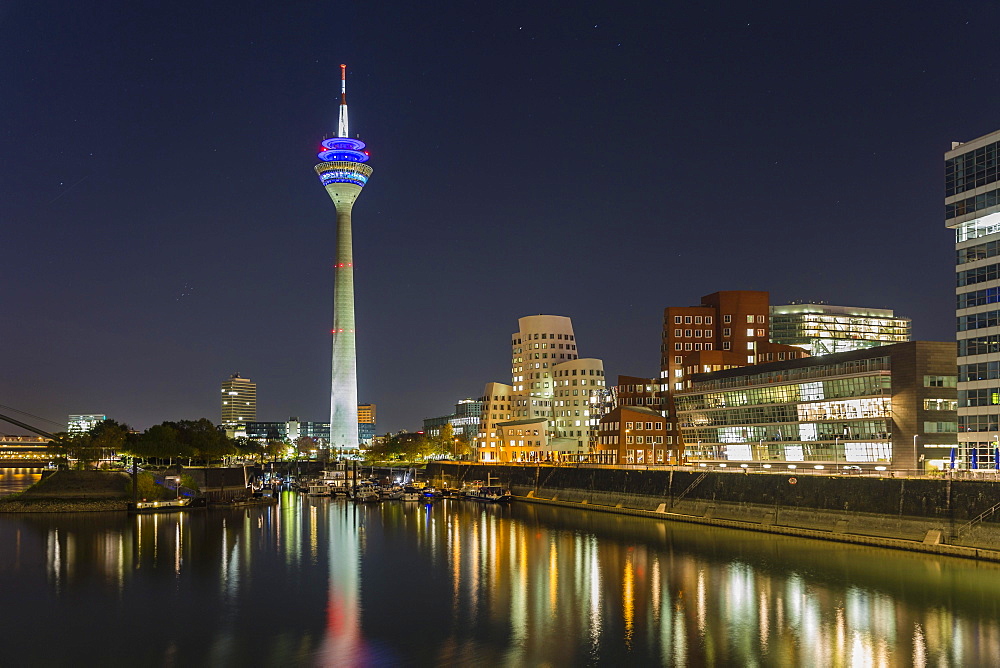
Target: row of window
[
  {"x": 940, "y": 404},
  {"x": 972, "y": 204},
  {"x": 583, "y": 372},
  {"x": 979, "y": 345},
  {"x": 536, "y": 337},
  {"x": 697, "y": 320},
  {"x": 979, "y": 371},
  {"x": 978, "y": 320},
  {"x": 696, "y": 333},
  {"x": 972, "y": 169},
  {"x": 968, "y": 423},
  {"x": 793, "y": 393},
  {"x": 698, "y": 346},
  {"x": 940, "y": 381},
  {"x": 852, "y": 367},
  {"x": 978, "y": 252},
  {"x": 826, "y": 411},
  {"x": 989, "y": 396},
  {"x": 978, "y": 298},
  {"x": 613, "y": 439},
  {"x": 861, "y": 430},
  {"x": 990, "y": 272}
]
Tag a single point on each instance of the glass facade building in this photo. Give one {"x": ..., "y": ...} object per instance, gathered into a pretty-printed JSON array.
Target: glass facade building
[
  {"x": 823, "y": 329},
  {"x": 892, "y": 406},
  {"x": 972, "y": 210}
]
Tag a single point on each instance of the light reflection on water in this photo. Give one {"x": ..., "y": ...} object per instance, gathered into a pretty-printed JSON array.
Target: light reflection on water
[
  {"x": 320, "y": 582},
  {"x": 14, "y": 480}
]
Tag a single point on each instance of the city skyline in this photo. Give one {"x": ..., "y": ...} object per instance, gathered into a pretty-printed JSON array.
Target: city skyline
[{"x": 143, "y": 267}]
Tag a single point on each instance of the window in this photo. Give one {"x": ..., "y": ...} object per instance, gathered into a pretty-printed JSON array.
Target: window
[
  {"x": 629, "y": 439},
  {"x": 708, "y": 320},
  {"x": 727, "y": 319},
  {"x": 659, "y": 425},
  {"x": 697, "y": 320},
  {"x": 708, "y": 346},
  {"x": 628, "y": 425},
  {"x": 678, "y": 332},
  {"x": 678, "y": 359},
  {"x": 760, "y": 332},
  {"x": 727, "y": 332},
  {"x": 677, "y": 320},
  {"x": 678, "y": 346},
  {"x": 760, "y": 319},
  {"x": 687, "y": 346},
  {"x": 940, "y": 404},
  {"x": 725, "y": 345},
  {"x": 749, "y": 332},
  {"x": 940, "y": 427},
  {"x": 940, "y": 381},
  {"x": 649, "y": 426},
  {"x": 687, "y": 333},
  {"x": 687, "y": 320},
  {"x": 750, "y": 319},
  {"x": 697, "y": 346}
]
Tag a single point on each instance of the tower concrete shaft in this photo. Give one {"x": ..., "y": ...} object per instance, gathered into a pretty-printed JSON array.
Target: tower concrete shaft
[{"x": 344, "y": 368}]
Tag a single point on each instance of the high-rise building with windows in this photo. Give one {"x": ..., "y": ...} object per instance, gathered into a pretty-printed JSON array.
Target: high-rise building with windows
[
  {"x": 366, "y": 423},
  {"x": 343, "y": 173},
  {"x": 548, "y": 401},
  {"x": 822, "y": 329},
  {"x": 81, "y": 424},
  {"x": 972, "y": 210},
  {"x": 239, "y": 404}
]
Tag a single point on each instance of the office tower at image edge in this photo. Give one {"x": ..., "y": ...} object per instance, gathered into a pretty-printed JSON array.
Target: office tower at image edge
[
  {"x": 972, "y": 210},
  {"x": 239, "y": 404},
  {"x": 343, "y": 173}
]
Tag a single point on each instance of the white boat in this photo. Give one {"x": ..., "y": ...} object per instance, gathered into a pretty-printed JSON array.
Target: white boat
[
  {"x": 411, "y": 493},
  {"x": 367, "y": 493},
  {"x": 318, "y": 489}
]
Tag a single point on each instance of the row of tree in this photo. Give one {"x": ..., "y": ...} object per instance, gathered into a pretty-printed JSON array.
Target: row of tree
[
  {"x": 414, "y": 447},
  {"x": 200, "y": 440},
  {"x": 186, "y": 439}
]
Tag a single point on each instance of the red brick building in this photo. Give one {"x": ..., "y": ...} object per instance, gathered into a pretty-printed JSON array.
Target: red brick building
[{"x": 633, "y": 435}]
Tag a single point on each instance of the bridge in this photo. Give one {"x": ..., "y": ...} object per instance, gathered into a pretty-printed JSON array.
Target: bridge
[{"x": 25, "y": 451}]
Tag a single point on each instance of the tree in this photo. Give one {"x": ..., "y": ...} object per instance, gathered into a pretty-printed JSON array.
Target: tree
[
  {"x": 463, "y": 446},
  {"x": 304, "y": 446}
]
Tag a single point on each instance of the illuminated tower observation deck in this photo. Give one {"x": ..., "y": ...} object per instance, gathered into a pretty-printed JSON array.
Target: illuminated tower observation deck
[{"x": 343, "y": 173}]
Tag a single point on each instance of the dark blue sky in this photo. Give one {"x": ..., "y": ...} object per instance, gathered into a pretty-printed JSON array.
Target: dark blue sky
[{"x": 163, "y": 227}]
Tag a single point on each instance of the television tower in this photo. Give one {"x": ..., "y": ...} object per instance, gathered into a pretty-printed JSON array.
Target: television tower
[{"x": 343, "y": 173}]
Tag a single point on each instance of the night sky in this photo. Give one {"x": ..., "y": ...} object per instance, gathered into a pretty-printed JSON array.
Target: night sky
[{"x": 163, "y": 227}]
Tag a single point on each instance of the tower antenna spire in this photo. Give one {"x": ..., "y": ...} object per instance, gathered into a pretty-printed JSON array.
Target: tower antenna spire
[{"x": 342, "y": 124}]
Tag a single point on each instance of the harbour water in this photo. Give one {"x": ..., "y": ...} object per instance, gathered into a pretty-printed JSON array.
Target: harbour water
[
  {"x": 323, "y": 582},
  {"x": 16, "y": 479}
]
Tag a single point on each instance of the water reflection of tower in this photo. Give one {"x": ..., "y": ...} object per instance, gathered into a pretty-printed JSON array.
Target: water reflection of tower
[{"x": 343, "y": 173}]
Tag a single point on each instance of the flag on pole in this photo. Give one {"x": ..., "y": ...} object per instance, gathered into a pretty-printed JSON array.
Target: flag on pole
[
  {"x": 953, "y": 453},
  {"x": 975, "y": 458}
]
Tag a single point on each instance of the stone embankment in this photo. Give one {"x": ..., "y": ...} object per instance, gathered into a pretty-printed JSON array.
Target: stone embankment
[{"x": 943, "y": 516}]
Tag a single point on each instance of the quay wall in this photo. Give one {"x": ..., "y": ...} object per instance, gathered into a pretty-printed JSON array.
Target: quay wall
[{"x": 899, "y": 509}]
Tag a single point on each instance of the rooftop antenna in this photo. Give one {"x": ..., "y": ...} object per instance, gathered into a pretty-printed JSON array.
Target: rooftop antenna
[{"x": 342, "y": 124}]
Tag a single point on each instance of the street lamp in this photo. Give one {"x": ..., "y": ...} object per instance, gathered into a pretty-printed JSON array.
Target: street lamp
[
  {"x": 836, "y": 452},
  {"x": 916, "y": 460}
]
